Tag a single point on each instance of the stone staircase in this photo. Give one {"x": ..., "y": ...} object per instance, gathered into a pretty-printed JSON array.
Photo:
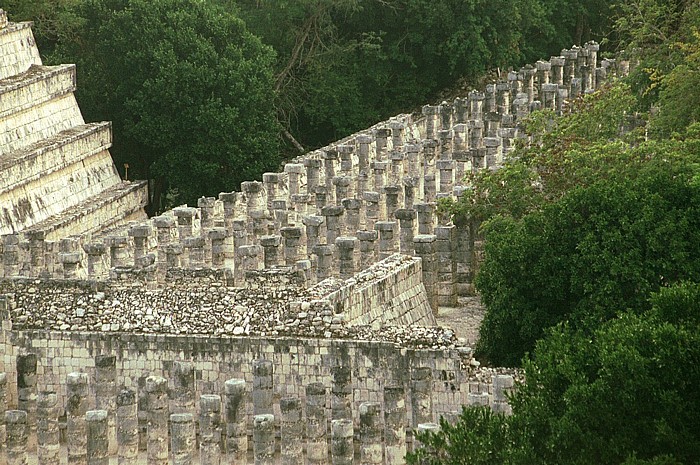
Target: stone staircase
[{"x": 57, "y": 177}]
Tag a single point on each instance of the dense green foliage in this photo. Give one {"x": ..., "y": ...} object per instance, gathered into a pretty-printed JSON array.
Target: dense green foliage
[{"x": 189, "y": 89}]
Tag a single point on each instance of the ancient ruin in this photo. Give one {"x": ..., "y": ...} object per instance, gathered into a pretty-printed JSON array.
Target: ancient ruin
[{"x": 293, "y": 320}]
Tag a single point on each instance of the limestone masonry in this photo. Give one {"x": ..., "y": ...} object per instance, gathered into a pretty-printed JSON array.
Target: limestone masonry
[{"x": 292, "y": 321}]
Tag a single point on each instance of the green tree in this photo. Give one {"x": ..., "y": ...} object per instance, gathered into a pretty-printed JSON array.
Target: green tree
[{"x": 189, "y": 89}]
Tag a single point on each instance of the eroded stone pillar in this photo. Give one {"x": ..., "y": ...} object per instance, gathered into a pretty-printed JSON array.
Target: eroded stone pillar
[
  {"x": 346, "y": 255},
  {"x": 429, "y": 188},
  {"x": 321, "y": 197},
  {"x": 395, "y": 425},
  {"x": 292, "y": 244},
  {"x": 76, "y": 408},
  {"x": 316, "y": 446},
  {"x": 262, "y": 387},
  {"x": 182, "y": 438},
  {"x": 48, "y": 446},
  {"x": 425, "y": 212},
  {"x": 127, "y": 427},
  {"x": 363, "y": 142},
  {"x": 382, "y": 136},
  {"x": 372, "y": 209},
  {"x": 270, "y": 245},
  {"x": 291, "y": 431},
  {"x": 185, "y": 221},
  {"x": 106, "y": 394},
  {"x": 332, "y": 213},
  {"x": 183, "y": 392},
  {"x": 342, "y": 187},
  {"x": 264, "y": 439},
  {"x": 386, "y": 230},
  {"x": 140, "y": 234},
  {"x": 294, "y": 172},
  {"x": 502, "y": 385},
  {"x": 371, "y": 451},
  {"x": 97, "y": 437},
  {"x": 195, "y": 248},
  {"x": 324, "y": 261},
  {"x": 313, "y": 170},
  {"x": 445, "y": 265},
  {"x": 379, "y": 170},
  {"x": 446, "y": 169},
  {"x": 368, "y": 247},
  {"x": 391, "y": 197},
  {"x": 313, "y": 225},
  {"x": 206, "y": 209},
  {"x": 217, "y": 237},
  {"x": 17, "y": 437},
  {"x": 236, "y": 433},
  {"x": 341, "y": 442},
  {"x": 421, "y": 395},
  {"x": 406, "y": 219},
  {"x": 425, "y": 249},
  {"x": 27, "y": 394},
  {"x": 210, "y": 429},
  {"x": 96, "y": 260},
  {"x": 341, "y": 393},
  {"x": 430, "y": 113},
  {"x": 352, "y": 216},
  {"x": 158, "y": 415}
]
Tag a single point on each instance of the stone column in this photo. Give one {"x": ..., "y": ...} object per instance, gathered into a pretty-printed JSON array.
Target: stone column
[
  {"x": 382, "y": 135},
  {"x": 76, "y": 407},
  {"x": 446, "y": 169},
  {"x": 372, "y": 209},
  {"x": 262, "y": 387},
  {"x": 70, "y": 261},
  {"x": 280, "y": 214},
  {"x": 17, "y": 437},
  {"x": 424, "y": 212},
  {"x": 106, "y": 394},
  {"x": 342, "y": 450},
  {"x": 395, "y": 424},
  {"x": 313, "y": 169},
  {"x": 320, "y": 197},
  {"x": 476, "y": 104},
  {"x": 371, "y": 433},
  {"x": 127, "y": 427},
  {"x": 48, "y": 447},
  {"x": 332, "y": 214},
  {"x": 363, "y": 141},
  {"x": 264, "y": 439},
  {"x": 406, "y": 220},
  {"x": 195, "y": 249},
  {"x": 397, "y": 134},
  {"x": 210, "y": 429},
  {"x": 429, "y": 188},
  {"x": 324, "y": 264},
  {"x": 502, "y": 385},
  {"x": 346, "y": 255},
  {"x": 37, "y": 249},
  {"x": 410, "y": 184},
  {"x": 236, "y": 431},
  {"x": 397, "y": 167},
  {"x": 253, "y": 193},
  {"x": 425, "y": 249},
  {"x": 294, "y": 172},
  {"x": 330, "y": 158},
  {"x": 379, "y": 169},
  {"x": 391, "y": 197},
  {"x": 445, "y": 266},
  {"x": 557, "y": 70},
  {"x": 313, "y": 226},
  {"x": 352, "y": 216},
  {"x": 421, "y": 395},
  {"x": 10, "y": 254},
  {"x": 341, "y": 393},
  {"x": 96, "y": 260},
  {"x": 157, "y": 430},
  {"x": 97, "y": 437},
  {"x": 206, "y": 208},
  {"x": 342, "y": 187},
  {"x": 217, "y": 237},
  {"x": 529, "y": 81},
  {"x": 292, "y": 244},
  {"x": 250, "y": 260},
  {"x": 173, "y": 253},
  {"x": 291, "y": 431},
  {"x": 386, "y": 238},
  {"x": 461, "y": 110},
  {"x": 316, "y": 447},
  {"x": 184, "y": 389},
  {"x": 140, "y": 234},
  {"x": 368, "y": 247},
  {"x": 27, "y": 394},
  {"x": 182, "y": 438},
  {"x": 431, "y": 123},
  {"x": 271, "y": 182},
  {"x": 185, "y": 221},
  {"x": 270, "y": 245}
]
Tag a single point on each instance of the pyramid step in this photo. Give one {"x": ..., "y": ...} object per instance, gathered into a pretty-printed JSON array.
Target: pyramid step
[
  {"x": 35, "y": 86},
  {"x": 17, "y": 49},
  {"x": 119, "y": 204}
]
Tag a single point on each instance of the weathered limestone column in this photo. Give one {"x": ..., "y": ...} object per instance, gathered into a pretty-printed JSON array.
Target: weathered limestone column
[
  {"x": 292, "y": 244},
  {"x": 391, "y": 197},
  {"x": 10, "y": 254},
  {"x": 342, "y": 450},
  {"x": 386, "y": 238},
  {"x": 206, "y": 208},
  {"x": 183, "y": 392},
  {"x": 313, "y": 225},
  {"x": 236, "y": 432},
  {"x": 70, "y": 262},
  {"x": 48, "y": 446},
  {"x": 313, "y": 170},
  {"x": 368, "y": 247},
  {"x": 431, "y": 122},
  {"x": 502, "y": 385},
  {"x": 363, "y": 142},
  {"x": 195, "y": 249},
  {"x": 316, "y": 426},
  {"x": 262, "y": 387},
  {"x": 396, "y": 172},
  {"x": 17, "y": 437},
  {"x": 182, "y": 438},
  {"x": 157, "y": 430},
  {"x": 217, "y": 237},
  {"x": 406, "y": 219},
  {"x": 250, "y": 259},
  {"x": 97, "y": 437},
  {"x": 341, "y": 393},
  {"x": 76, "y": 407},
  {"x": 332, "y": 213},
  {"x": 106, "y": 394},
  {"x": 410, "y": 184},
  {"x": 476, "y": 104},
  {"x": 37, "y": 249},
  {"x": 557, "y": 70},
  {"x": 342, "y": 187},
  {"x": 371, "y": 451},
  {"x": 300, "y": 204},
  {"x": 330, "y": 159},
  {"x": 446, "y": 170},
  {"x": 96, "y": 267},
  {"x": 379, "y": 170},
  {"x": 382, "y": 136},
  {"x": 493, "y": 151},
  {"x": 421, "y": 395},
  {"x": 425, "y": 213},
  {"x": 127, "y": 427},
  {"x": 346, "y": 255},
  {"x": 372, "y": 209},
  {"x": 321, "y": 198},
  {"x": 352, "y": 216},
  {"x": 270, "y": 245},
  {"x": 490, "y": 99},
  {"x": 294, "y": 172},
  {"x": 503, "y": 97},
  {"x": 444, "y": 264},
  {"x": 174, "y": 253},
  {"x": 185, "y": 221},
  {"x": 397, "y": 134},
  {"x": 395, "y": 425},
  {"x": 324, "y": 263},
  {"x": 264, "y": 439},
  {"x": 461, "y": 110},
  {"x": 27, "y": 394},
  {"x": 291, "y": 429},
  {"x": 528, "y": 72},
  {"x": 140, "y": 234},
  {"x": 570, "y": 57},
  {"x": 280, "y": 214},
  {"x": 425, "y": 249},
  {"x": 549, "y": 96},
  {"x": 270, "y": 182},
  {"x": 210, "y": 429},
  {"x": 253, "y": 193},
  {"x": 429, "y": 188}
]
